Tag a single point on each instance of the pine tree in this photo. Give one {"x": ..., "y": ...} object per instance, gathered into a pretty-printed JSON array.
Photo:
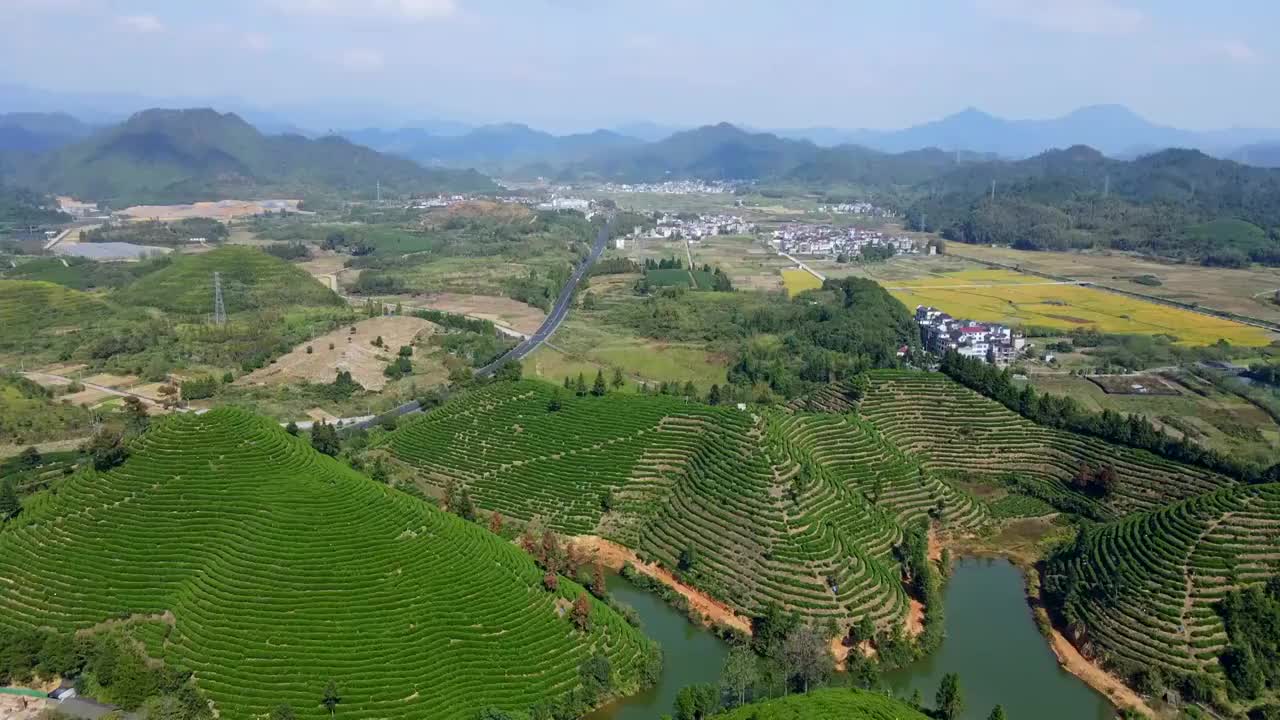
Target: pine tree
[
  {"x": 949, "y": 702},
  {"x": 713, "y": 397},
  {"x": 997, "y": 713},
  {"x": 580, "y": 389},
  {"x": 10, "y": 505},
  {"x": 597, "y": 580},
  {"x": 598, "y": 388},
  {"x": 568, "y": 385},
  {"x": 618, "y": 382},
  {"x": 331, "y": 697}
]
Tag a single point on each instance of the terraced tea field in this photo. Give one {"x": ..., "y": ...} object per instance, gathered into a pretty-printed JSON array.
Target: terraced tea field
[
  {"x": 955, "y": 429},
  {"x": 1147, "y": 585},
  {"x": 251, "y": 280},
  {"x": 827, "y": 704},
  {"x": 774, "y": 506},
  {"x": 27, "y": 306},
  {"x": 235, "y": 551},
  {"x": 1018, "y": 299}
]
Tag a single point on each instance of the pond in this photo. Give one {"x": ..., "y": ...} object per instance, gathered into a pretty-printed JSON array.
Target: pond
[
  {"x": 993, "y": 644},
  {"x": 691, "y": 655}
]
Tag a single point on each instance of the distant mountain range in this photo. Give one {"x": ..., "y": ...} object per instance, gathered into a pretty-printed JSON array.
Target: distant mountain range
[
  {"x": 497, "y": 149},
  {"x": 1113, "y": 129},
  {"x": 177, "y": 156}
]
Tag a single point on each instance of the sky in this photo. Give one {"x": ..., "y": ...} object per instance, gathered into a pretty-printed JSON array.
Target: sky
[{"x": 577, "y": 64}]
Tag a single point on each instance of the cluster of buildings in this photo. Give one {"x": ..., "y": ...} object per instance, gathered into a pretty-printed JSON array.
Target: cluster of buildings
[
  {"x": 705, "y": 225},
  {"x": 561, "y": 202},
  {"x": 996, "y": 344},
  {"x": 830, "y": 241},
  {"x": 672, "y": 187},
  {"x": 864, "y": 209}
]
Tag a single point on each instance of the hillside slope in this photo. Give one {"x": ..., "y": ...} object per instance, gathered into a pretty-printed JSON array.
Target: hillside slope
[
  {"x": 1141, "y": 592},
  {"x": 268, "y": 569},
  {"x": 758, "y": 499},
  {"x": 952, "y": 429},
  {"x": 28, "y": 306},
  {"x": 251, "y": 280},
  {"x": 177, "y": 156}
]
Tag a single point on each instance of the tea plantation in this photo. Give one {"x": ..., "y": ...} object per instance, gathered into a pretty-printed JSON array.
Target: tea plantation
[
  {"x": 27, "y": 306},
  {"x": 955, "y": 429},
  {"x": 267, "y": 569},
  {"x": 771, "y": 504},
  {"x": 830, "y": 704},
  {"x": 1142, "y": 590},
  {"x": 251, "y": 280}
]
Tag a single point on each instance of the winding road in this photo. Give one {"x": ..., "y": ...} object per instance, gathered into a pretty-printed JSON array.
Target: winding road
[
  {"x": 558, "y": 313},
  {"x": 548, "y": 328}
]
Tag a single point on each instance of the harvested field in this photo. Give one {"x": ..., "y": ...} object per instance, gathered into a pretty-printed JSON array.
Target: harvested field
[
  {"x": 500, "y": 310},
  {"x": 344, "y": 350},
  {"x": 1133, "y": 385}
]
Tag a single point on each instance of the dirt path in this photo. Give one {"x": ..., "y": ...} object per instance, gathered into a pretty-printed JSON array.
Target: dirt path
[
  {"x": 614, "y": 556},
  {"x": 1095, "y": 677}
]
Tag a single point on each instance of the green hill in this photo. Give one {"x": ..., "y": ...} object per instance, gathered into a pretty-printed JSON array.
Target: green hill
[
  {"x": 28, "y": 307},
  {"x": 29, "y": 414},
  {"x": 1143, "y": 592},
  {"x": 251, "y": 280},
  {"x": 177, "y": 156},
  {"x": 764, "y": 501},
  {"x": 829, "y": 704},
  {"x": 233, "y": 550},
  {"x": 954, "y": 430}
]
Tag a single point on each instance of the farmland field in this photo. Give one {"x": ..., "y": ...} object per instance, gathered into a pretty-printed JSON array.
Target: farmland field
[
  {"x": 1014, "y": 298},
  {"x": 1246, "y": 291},
  {"x": 231, "y": 549},
  {"x": 797, "y": 281}
]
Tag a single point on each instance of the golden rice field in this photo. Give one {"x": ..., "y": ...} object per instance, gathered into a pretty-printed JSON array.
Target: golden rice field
[
  {"x": 1016, "y": 299},
  {"x": 797, "y": 281}
]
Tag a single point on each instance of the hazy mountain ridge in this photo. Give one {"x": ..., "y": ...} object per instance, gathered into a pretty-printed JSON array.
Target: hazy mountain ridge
[{"x": 173, "y": 156}]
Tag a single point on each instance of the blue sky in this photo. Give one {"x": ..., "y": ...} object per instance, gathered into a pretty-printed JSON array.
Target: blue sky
[{"x": 572, "y": 64}]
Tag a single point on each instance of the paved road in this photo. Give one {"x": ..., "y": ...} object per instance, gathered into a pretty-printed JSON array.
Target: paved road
[
  {"x": 530, "y": 343},
  {"x": 558, "y": 313},
  {"x": 806, "y": 268}
]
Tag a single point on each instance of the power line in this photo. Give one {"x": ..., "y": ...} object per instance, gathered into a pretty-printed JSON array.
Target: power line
[{"x": 219, "y": 309}]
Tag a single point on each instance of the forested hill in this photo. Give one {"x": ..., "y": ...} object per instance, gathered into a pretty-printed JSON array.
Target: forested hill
[
  {"x": 174, "y": 156},
  {"x": 1179, "y": 203}
]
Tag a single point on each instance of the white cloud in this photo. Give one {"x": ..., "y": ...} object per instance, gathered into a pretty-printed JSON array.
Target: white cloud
[
  {"x": 141, "y": 23},
  {"x": 362, "y": 60},
  {"x": 1096, "y": 17},
  {"x": 410, "y": 10},
  {"x": 1240, "y": 52},
  {"x": 255, "y": 41}
]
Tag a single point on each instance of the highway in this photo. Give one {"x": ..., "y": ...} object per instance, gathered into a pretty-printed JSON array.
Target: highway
[
  {"x": 559, "y": 312},
  {"x": 549, "y": 326}
]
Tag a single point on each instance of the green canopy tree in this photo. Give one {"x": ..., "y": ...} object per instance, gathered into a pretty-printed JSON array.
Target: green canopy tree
[{"x": 949, "y": 702}]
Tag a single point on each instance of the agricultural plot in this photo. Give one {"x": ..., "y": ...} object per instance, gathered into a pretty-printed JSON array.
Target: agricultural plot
[
  {"x": 28, "y": 306},
  {"x": 955, "y": 429},
  {"x": 266, "y": 569},
  {"x": 1146, "y": 586},
  {"x": 1245, "y": 291},
  {"x": 692, "y": 279},
  {"x": 771, "y": 508},
  {"x": 1010, "y": 297},
  {"x": 797, "y": 281}
]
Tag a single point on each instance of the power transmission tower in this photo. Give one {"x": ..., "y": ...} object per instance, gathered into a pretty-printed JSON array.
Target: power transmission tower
[
  {"x": 219, "y": 310},
  {"x": 993, "y": 191},
  {"x": 379, "y": 192}
]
